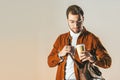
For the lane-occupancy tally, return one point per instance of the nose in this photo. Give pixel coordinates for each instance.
(76, 24)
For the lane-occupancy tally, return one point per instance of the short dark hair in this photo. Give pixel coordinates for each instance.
(75, 10)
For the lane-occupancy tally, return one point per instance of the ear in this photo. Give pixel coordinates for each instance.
(83, 18)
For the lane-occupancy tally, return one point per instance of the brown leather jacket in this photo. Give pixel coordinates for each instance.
(91, 43)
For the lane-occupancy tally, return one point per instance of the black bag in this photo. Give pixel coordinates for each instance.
(90, 72)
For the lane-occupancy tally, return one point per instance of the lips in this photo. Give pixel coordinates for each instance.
(76, 28)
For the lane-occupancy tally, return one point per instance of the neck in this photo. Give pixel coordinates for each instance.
(74, 34)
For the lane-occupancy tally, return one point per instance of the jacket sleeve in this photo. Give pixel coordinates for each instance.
(53, 58)
(103, 58)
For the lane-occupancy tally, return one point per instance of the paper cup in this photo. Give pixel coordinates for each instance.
(80, 48)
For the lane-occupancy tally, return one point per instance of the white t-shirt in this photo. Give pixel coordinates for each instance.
(70, 74)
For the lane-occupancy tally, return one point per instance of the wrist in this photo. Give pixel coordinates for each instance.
(60, 57)
(93, 62)
(94, 59)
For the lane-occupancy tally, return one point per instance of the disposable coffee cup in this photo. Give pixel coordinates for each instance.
(80, 48)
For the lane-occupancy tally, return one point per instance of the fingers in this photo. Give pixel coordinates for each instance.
(86, 59)
(85, 56)
(67, 49)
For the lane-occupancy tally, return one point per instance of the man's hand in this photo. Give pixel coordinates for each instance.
(86, 56)
(66, 50)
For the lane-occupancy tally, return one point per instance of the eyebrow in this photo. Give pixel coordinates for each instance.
(73, 20)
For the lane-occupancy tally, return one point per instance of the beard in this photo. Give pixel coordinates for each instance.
(76, 30)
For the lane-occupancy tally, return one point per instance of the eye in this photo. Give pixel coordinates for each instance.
(79, 21)
(72, 21)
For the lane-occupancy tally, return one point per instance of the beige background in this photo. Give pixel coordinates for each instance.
(28, 29)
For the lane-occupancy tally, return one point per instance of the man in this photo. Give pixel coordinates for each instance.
(65, 46)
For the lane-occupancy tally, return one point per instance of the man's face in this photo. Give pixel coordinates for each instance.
(75, 22)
